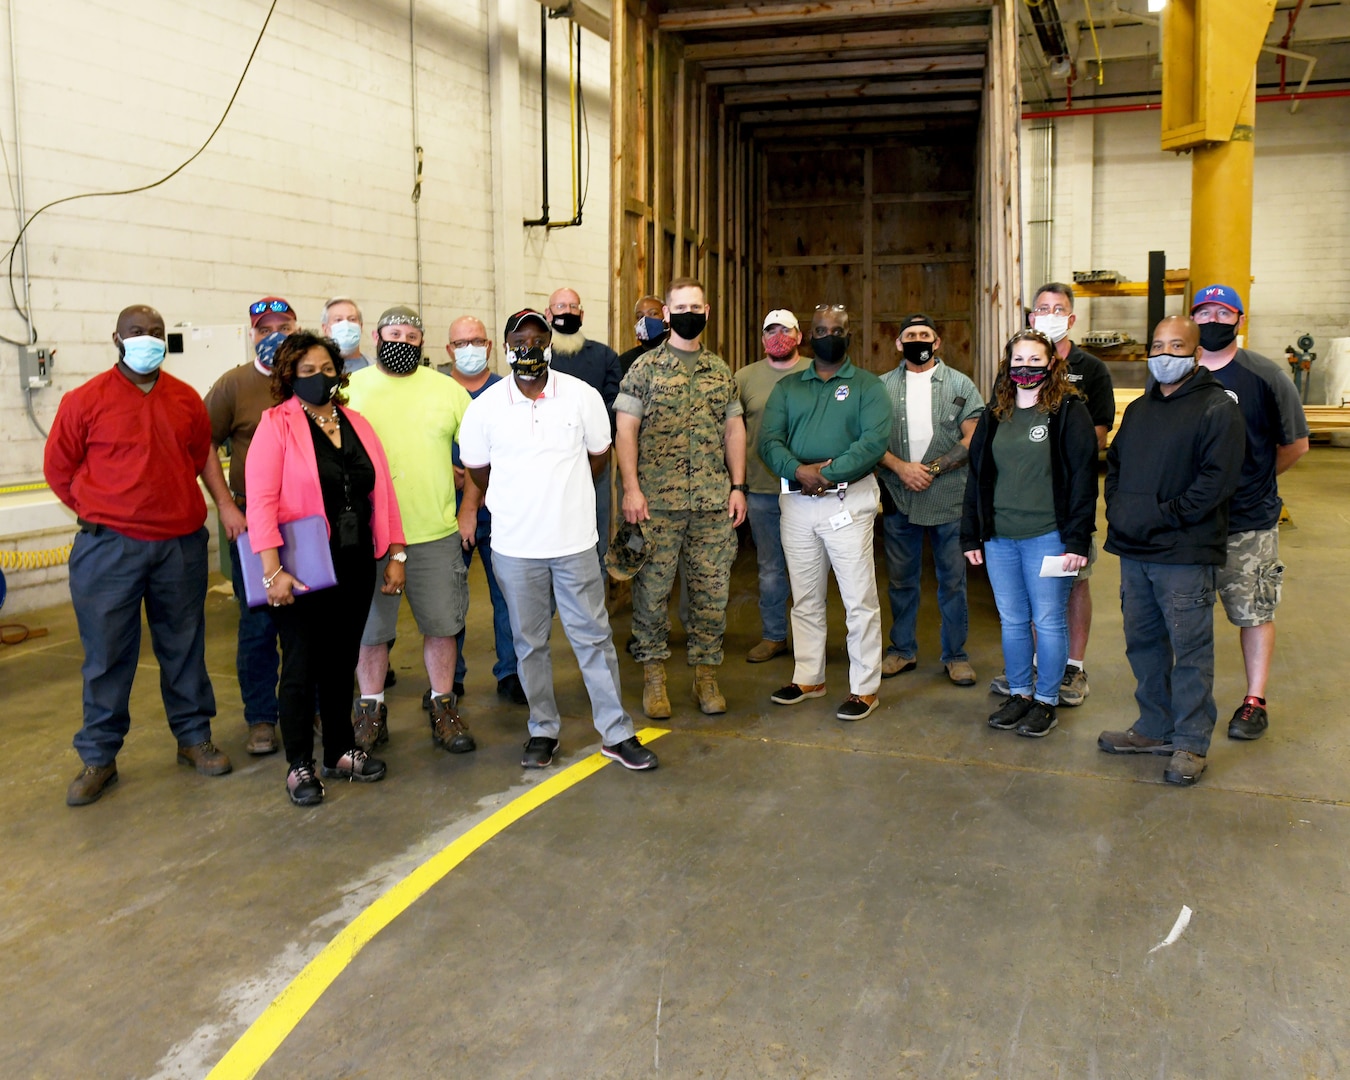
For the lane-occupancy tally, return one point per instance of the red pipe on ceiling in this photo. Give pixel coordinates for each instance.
(1151, 106)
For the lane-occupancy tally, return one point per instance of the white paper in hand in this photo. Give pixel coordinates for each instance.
(1053, 566)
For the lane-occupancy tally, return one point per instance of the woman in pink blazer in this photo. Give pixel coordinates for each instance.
(311, 457)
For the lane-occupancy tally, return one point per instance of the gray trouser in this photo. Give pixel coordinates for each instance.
(529, 586)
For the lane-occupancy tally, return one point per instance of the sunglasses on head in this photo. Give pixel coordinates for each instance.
(268, 305)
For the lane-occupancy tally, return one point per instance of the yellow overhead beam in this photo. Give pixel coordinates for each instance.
(1210, 49)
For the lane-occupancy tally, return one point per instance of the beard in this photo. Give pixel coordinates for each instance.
(568, 344)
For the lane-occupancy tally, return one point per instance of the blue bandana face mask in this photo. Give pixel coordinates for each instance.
(650, 330)
(266, 349)
(143, 354)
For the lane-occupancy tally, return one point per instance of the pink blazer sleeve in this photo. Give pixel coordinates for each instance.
(386, 523)
(262, 473)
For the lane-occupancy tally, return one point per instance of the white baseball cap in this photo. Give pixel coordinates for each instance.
(781, 317)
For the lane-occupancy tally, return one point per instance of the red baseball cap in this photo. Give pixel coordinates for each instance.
(268, 305)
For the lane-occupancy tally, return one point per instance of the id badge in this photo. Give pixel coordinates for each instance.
(841, 520)
(348, 529)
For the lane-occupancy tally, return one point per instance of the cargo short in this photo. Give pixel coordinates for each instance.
(437, 587)
(1249, 582)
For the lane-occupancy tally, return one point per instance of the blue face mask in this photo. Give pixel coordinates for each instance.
(650, 329)
(143, 354)
(471, 360)
(347, 334)
(266, 349)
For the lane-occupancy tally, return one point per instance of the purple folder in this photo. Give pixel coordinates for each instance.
(304, 555)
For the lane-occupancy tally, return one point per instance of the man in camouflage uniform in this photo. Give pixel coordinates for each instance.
(681, 448)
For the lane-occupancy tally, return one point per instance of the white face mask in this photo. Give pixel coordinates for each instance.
(347, 334)
(1055, 327)
(471, 359)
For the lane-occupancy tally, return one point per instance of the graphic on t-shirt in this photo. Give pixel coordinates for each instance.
(841, 393)
(1039, 433)
(1233, 394)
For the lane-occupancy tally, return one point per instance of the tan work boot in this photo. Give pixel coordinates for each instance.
(207, 758)
(766, 650)
(655, 700)
(262, 739)
(710, 699)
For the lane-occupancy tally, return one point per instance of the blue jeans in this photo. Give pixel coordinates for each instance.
(501, 619)
(111, 576)
(1025, 599)
(1169, 641)
(904, 565)
(765, 522)
(530, 586)
(256, 659)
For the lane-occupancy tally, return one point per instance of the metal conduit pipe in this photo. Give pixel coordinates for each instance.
(1152, 106)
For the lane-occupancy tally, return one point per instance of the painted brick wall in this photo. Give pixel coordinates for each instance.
(306, 191)
(1301, 224)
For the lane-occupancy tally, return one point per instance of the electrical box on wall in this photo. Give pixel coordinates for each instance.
(201, 354)
(35, 366)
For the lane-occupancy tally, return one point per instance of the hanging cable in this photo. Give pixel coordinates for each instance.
(143, 187)
(1092, 27)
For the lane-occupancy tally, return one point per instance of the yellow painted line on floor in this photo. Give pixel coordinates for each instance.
(288, 1008)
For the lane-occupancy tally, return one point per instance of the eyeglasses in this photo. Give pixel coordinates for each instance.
(562, 308)
(1058, 309)
(464, 343)
(268, 305)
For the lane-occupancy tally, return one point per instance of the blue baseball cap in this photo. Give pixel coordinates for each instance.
(1218, 294)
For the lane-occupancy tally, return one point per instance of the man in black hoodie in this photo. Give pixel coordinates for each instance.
(1171, 470)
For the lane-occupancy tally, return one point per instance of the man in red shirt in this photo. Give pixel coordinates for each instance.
(124, 453)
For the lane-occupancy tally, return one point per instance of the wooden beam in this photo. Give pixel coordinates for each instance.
(724, 53)
(720, 17)
(850, 112)
(848, 69)
(585, 13)
(847, 89)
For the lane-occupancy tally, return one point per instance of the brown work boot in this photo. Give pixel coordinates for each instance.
(447, 729)
(207, 758)
(370, 724)
(766, 650)
(1131, 742)
(961, 673)
(710, 699)
(90, 785)
(655, 700)
(262, 739)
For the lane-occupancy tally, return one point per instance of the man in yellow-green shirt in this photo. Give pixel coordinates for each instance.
(416, 413)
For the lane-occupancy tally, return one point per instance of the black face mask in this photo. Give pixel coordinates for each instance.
(399, 357)
(688, 324)
(568, 323)
(316, 389)
(917, 353)
(830, 349)
(1217, 336)
(529, 363)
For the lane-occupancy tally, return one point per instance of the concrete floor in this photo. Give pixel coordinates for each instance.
(788, 896)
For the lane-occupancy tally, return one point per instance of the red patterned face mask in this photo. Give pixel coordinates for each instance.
(779, 346)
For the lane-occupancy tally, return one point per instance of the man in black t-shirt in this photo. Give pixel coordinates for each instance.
(1277, 436)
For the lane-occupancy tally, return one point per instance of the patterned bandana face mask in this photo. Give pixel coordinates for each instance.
(529, 364)
(266, 349)
(399, 357)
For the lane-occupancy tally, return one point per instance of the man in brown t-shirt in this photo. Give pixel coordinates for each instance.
(235, 404)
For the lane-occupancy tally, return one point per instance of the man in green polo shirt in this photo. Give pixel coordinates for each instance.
(824, 432)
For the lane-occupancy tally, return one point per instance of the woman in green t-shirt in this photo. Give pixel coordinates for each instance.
(1031, 506)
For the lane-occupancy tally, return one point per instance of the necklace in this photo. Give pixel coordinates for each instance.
(322, 420)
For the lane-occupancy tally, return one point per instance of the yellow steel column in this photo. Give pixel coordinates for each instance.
(1221, 204)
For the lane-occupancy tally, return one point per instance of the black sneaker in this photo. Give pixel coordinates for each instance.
(1038, 721)
(355, 765)
(304, 788)
(539, 752)
(1011, 712)
(792, 693)
(631, 754)
(390, 678)
(857, 707)
(510, 687)
(1249, 722)
(426, 700)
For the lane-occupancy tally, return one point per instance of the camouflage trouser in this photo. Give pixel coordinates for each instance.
(1249, 583)
(708, 544)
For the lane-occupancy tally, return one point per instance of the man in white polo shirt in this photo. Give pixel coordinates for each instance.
(534, 443)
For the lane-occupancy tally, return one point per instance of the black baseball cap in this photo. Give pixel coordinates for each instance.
(513, 322)
(917, 319)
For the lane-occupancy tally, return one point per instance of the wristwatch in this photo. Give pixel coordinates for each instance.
(399, 556)
(934, 468)
(744, 489)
